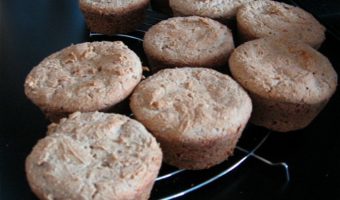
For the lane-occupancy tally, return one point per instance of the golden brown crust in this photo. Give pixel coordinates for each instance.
(84, 77)
(117, 7)
(264, 18)
(94, 156)
(283, 116)
(190, 109)
(111, 17)
(288, 81)
(221, 10)
(284, 70)
(188, 41)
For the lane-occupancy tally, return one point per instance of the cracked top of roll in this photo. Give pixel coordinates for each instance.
(188, 40)
(284, 70)
(84, 77)
(270, 18)
(93, 156)
(217, 9)
(112, 6)
(190, 104)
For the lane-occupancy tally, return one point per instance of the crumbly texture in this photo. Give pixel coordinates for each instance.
(196, 114)
(84, 77)
(289, 81)
(222, 10)
(269, 18)
(110, 6)
(94, 156)
(113, 16)
(188, 41)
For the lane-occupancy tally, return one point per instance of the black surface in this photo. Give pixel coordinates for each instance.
(31, 30)
(327, 11)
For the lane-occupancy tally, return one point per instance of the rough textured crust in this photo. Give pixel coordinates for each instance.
(289, 81)
(221, 10)
(84, 77)
(94, 156)
(188, 41)
(196, 114)
(269, 18)
(111, 17)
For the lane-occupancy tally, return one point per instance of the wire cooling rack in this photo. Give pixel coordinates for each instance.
(191, 180)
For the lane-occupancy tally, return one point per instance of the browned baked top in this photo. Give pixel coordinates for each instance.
(217, 9)
(270, 18)
(190, 104)
(188, 39)
(93, 156)
(285, 70)
(111, 6)
(84, 77)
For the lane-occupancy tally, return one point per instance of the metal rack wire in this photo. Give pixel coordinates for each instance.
(244, 154)
(247, 154)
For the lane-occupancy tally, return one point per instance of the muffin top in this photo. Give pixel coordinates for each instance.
(190, 104)
(111, 6)
(269, 18)
(285, 70)
(188, 39)
(217, 9)
(93, 156)
(84, 77)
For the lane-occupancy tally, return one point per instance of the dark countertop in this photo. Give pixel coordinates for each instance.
(31, 30)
